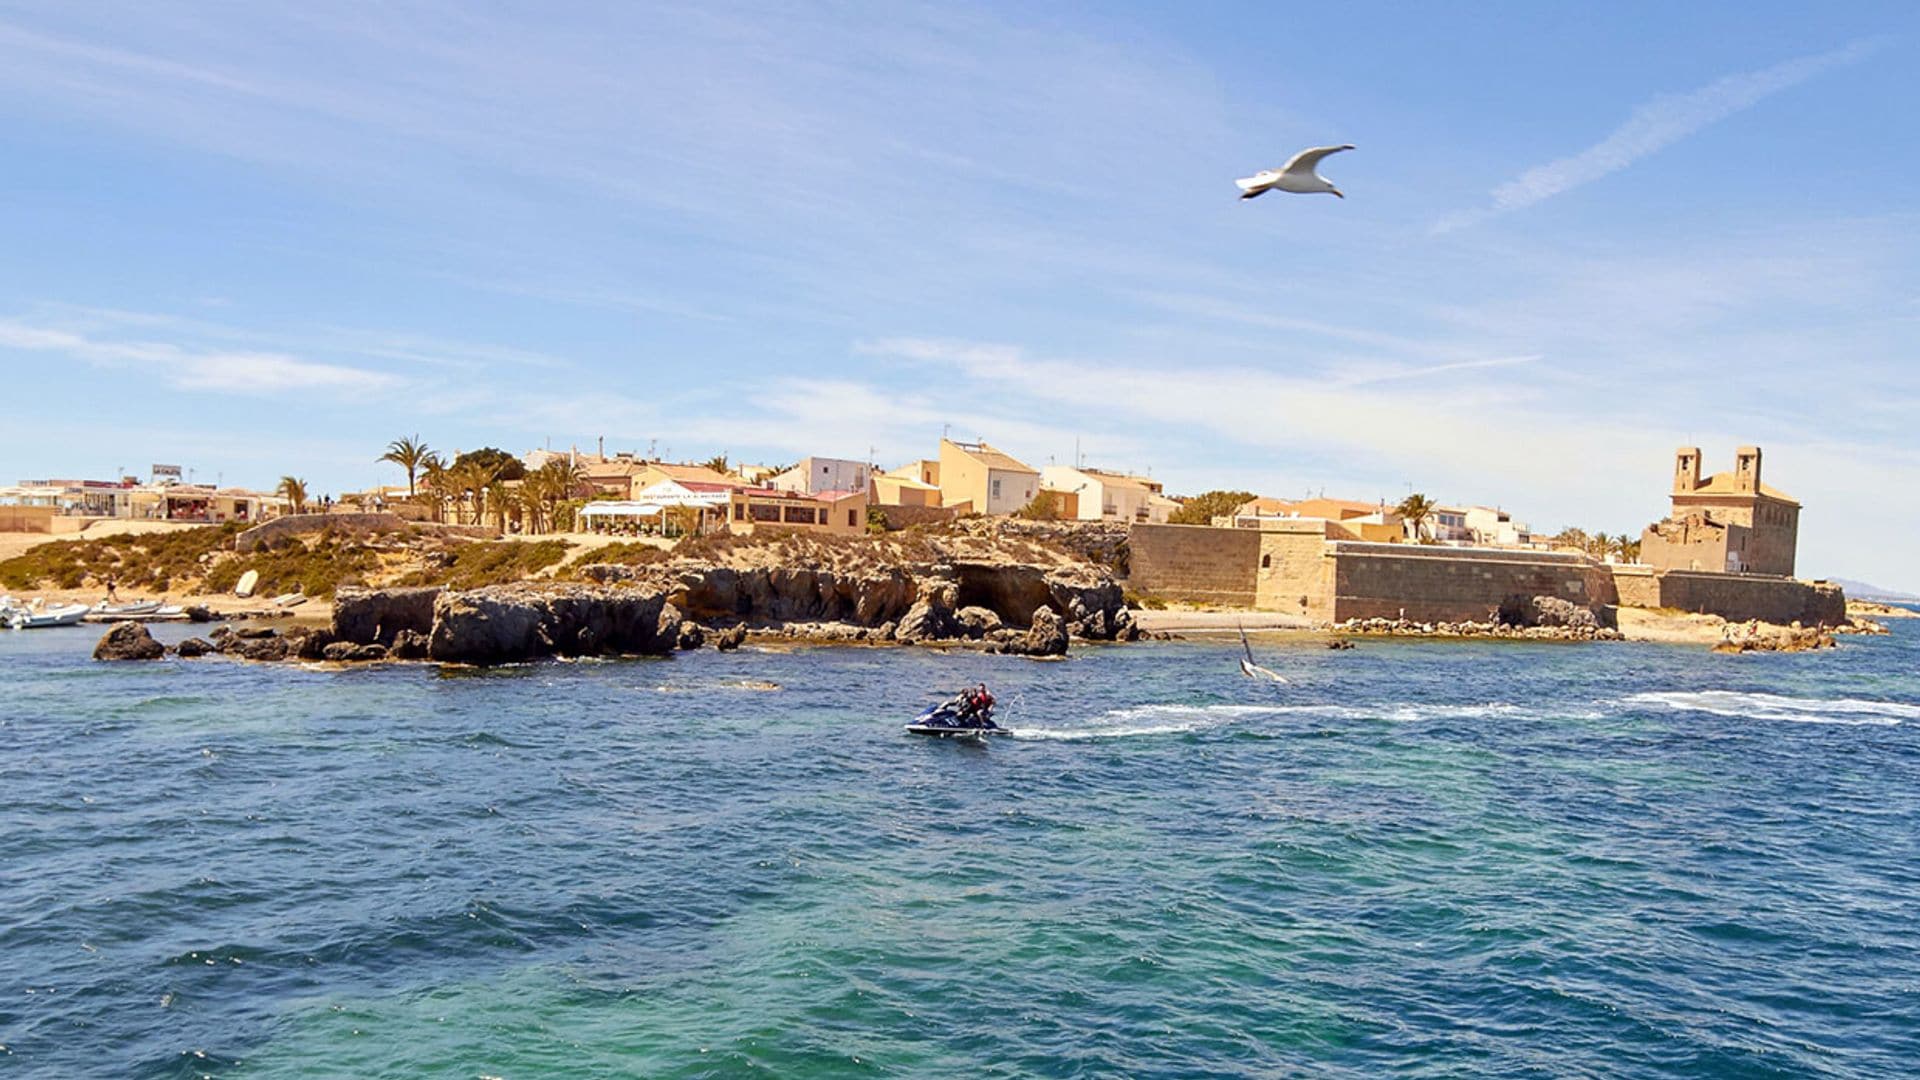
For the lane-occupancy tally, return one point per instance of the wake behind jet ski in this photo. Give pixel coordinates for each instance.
(966, 715)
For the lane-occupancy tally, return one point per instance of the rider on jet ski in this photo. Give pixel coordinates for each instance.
(975, 705)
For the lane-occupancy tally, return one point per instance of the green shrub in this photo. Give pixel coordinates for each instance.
(148, 560)
(1202, 509)
(633, 553)
(495, 562)
(316, 570)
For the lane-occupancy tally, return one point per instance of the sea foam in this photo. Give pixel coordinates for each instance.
(1754, 706)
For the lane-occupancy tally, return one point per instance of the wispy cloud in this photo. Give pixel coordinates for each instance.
(1653, 126)
(1441, 369)
(218, 370)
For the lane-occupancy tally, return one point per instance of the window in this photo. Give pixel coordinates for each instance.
(769, 512)
(739, 511)
(996, 487)
(851, 523)
(799, 515)
(1266, 562)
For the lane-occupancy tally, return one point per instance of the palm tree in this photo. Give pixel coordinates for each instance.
(718, 463)
(1571, 537)
(533, 500)
(1628, 547)
(499, 496)
(1415, 509)
(294, 490)
(438, 482)
(557, 480)
(409, 454)
(471, 479)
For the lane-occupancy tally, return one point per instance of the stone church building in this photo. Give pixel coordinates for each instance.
(1730, 521)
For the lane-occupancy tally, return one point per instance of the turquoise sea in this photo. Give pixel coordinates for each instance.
(1416, 859)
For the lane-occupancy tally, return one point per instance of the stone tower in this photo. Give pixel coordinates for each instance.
(1729, 521)
(1746, 469)
(1686, 469)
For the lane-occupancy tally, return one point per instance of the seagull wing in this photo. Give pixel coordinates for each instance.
(1304, 162)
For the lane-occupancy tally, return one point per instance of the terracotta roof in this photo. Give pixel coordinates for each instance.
(601, 470)
(1119, 480)
(1724, 484)
(684, 473)
(992, 458)
(1265, 507)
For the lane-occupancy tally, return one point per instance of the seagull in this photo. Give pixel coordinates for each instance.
(1296, 175)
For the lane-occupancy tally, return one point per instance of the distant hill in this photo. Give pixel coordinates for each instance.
(1860, 590)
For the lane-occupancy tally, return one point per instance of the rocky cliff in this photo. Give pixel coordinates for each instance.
(1013, 608)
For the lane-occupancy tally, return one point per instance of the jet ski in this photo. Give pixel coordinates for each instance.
(955, 719)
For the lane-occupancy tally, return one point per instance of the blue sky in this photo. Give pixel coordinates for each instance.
(261, 238)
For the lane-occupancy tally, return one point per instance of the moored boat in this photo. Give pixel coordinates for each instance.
(131, 609)
(36, 617)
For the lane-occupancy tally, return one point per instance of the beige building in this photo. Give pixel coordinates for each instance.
(624, 476)
(895, 489)
(1098, 495)
(1728, 522)
(203, 503)
(1345, 519)
(977, 478)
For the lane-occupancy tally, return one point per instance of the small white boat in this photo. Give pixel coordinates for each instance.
(35, 617)
(132, 609)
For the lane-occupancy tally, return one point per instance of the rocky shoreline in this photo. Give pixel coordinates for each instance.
(1002, 607)
(1012, 609)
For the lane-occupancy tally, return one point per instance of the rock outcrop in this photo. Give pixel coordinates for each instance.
(191, 648)
(408, 645)
(1549, 611)
(257, 643)
(1046, 637)
(1766, 637)
(379, 616)
(978, 622)
(932, 617)
(506, 623)
(128, 641)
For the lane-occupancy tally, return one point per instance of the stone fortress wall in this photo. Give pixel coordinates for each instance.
(1297, 571)
(1196, 564)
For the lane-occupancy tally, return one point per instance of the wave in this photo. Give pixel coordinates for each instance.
(1183, 719)
(1140, 720)
(1754, 706)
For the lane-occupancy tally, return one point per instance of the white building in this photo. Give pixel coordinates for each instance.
(1491, 526)
(1447, 524)
(815, 475)
(1099, 495)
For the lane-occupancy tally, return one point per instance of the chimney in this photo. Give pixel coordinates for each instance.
(1686, 470)
(1746, 469)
